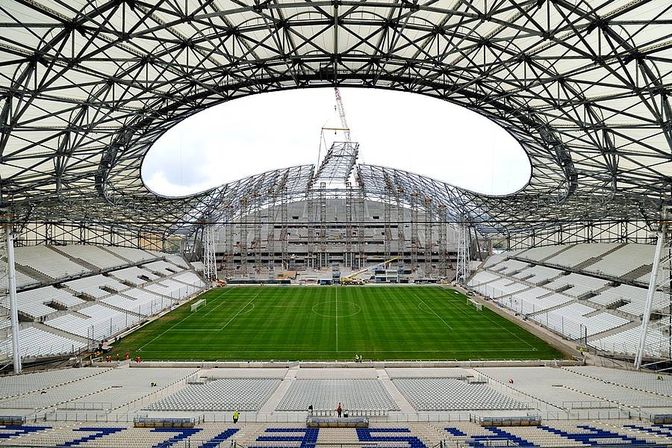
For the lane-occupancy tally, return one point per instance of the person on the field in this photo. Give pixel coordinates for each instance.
(339, 410)
(236, 416)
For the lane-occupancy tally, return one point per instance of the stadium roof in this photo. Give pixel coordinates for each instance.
(86, 87)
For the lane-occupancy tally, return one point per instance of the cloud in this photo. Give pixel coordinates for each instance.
(275, 130)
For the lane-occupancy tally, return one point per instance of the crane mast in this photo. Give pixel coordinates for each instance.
(341, 114)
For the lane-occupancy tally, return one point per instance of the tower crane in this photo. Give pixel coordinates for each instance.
(341, 114)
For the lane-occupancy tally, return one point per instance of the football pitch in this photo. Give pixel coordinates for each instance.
(333, 323)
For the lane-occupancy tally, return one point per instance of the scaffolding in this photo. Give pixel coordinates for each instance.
(322, 254)
(347, 253)
(257, 244)
(429, 237)
(443, 243)
(284, 229)
(415, 238)
(209, 249)
(463, 253)
(243, 248)
(270, 231)
(387, 222)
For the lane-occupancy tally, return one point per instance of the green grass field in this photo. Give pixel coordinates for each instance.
(333, 323)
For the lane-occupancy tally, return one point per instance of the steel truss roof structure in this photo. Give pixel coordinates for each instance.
(86, 87)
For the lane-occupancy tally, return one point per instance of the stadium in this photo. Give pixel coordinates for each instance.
(335, 303)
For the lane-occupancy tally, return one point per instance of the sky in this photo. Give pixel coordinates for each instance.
(275, 130)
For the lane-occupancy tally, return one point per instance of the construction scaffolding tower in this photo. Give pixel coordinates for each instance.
(209, 248)
(244, 216)
(429, 237)
(229, 232)
(443, 243)
(256, 242)
(361, 228)
(322, 255)
(463, 253)
(401, 219)
(655, 337)
(387, 222)
(284, 229)
(270, 231)
(347, 253)
(415, 238)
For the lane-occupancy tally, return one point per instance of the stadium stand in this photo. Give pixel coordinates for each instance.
(538, 274)
(323, 394)
(94, 322)
(604, 293)
(134, 275)
(47, 262)
(93, 255)
(539, 253)
(36, 343)
(149, 305)
(93, 286)
(243, 394)
(33, 303)
(414, 435)
(435, 394)
(130, 254)
(577, 255)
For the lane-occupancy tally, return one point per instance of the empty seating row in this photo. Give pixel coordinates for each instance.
(92, 286)
(35, 343)
(361, 394)
(572, 322)
(33, 303)
(48, 262)
(452, 394)
(94, 322)
(576, 285)
(537, 274)
(242, 394)
(134, 275)
(94, 255)
(162, 267)
(149, 305)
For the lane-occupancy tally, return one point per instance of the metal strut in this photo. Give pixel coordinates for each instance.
(659, 290)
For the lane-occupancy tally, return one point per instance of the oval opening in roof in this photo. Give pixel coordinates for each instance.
(400, 130)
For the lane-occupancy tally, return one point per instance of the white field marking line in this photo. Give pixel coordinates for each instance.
(337, 318)
(432, 310)
(177, 323)
(534, 349)
(220, 304)
(240, 311)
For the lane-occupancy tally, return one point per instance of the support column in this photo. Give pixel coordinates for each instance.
(659, 286)
(13, 306)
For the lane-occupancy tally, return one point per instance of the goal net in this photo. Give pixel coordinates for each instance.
(195, 306)
(475, 304)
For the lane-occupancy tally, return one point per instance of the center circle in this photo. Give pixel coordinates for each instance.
(327, 308)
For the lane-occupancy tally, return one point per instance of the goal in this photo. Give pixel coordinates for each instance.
(475, 304)
(200, 303)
